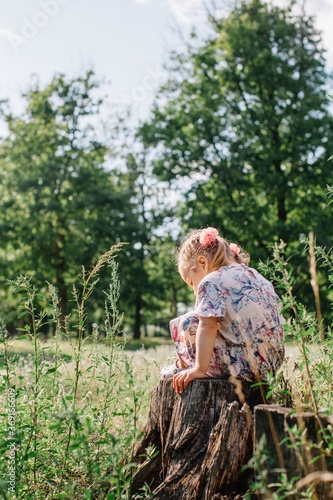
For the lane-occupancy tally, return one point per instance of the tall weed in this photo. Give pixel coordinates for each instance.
(304, 384)
(69, 421)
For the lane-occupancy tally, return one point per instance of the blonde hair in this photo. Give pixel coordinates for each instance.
(217, 251)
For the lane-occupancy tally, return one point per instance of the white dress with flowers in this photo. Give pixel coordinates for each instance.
(249, 339)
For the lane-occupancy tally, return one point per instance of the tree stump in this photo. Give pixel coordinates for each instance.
(202, 438)
(296, 453)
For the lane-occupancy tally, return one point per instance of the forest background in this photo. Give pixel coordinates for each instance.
(238, 137)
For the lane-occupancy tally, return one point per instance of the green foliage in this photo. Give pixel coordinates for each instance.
(304, 384)
(62, 198)
(73, 420)
(242, 126)
(171, 293)
(310, 371)
(143, 278)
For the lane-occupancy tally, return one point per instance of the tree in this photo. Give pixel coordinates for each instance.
(244, 121)
(171, 295)
(62, 200)
(146, 292)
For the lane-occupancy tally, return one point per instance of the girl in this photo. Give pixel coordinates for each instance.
(236, 329)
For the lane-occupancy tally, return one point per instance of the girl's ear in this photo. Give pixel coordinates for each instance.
(202, 261)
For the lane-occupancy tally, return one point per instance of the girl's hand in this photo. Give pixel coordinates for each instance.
(205, 341)
(181, 380)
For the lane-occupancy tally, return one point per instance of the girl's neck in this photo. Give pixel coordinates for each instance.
(229, 262)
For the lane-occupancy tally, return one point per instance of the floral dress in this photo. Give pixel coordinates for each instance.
(249, 338)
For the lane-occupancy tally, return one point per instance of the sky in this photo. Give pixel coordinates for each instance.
(127, 42)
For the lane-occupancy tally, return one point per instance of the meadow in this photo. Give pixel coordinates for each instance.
(73, 406)
(75, 435)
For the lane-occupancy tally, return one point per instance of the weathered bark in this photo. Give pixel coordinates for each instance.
(296, 453)
(202, 439)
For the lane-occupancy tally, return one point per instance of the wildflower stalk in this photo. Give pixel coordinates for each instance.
(87, 288)
(34, 328)
(62, 429)
(315, 286)
(89, 282)
(300, 321)
(58, 328)
(113, 325)
(301, 325)
(4, 338)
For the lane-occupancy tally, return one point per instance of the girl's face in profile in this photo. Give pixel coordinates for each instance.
(193, 278)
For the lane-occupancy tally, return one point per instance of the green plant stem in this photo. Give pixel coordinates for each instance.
(87, 289)
(6, 356)
(36, 387)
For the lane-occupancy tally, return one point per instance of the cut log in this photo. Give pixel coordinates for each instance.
(202, 439)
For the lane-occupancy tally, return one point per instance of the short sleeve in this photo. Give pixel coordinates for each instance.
(210, 301)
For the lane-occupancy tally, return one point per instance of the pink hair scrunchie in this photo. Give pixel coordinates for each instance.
(234, 248)
(208, 236)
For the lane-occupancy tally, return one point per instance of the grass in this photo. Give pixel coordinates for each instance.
(109, 416)
(72, 410)
(304, 384)
(24, 347)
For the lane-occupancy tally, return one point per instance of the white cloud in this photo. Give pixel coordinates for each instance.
(144, 2)
(5, 33)
(185, 11)
(323, 10)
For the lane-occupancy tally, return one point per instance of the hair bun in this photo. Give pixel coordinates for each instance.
(208, 236)
(234, 248)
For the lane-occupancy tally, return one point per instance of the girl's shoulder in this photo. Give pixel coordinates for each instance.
(233, 269)
(237, 273)
(225, 274)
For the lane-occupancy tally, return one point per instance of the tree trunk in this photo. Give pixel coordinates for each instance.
(137, 319)
(202, 438)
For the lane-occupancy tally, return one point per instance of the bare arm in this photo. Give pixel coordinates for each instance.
(205, 341)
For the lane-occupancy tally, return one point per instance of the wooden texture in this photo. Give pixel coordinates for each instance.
(294, 443)
(202, 439)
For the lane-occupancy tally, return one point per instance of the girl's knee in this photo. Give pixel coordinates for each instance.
(189, 322)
